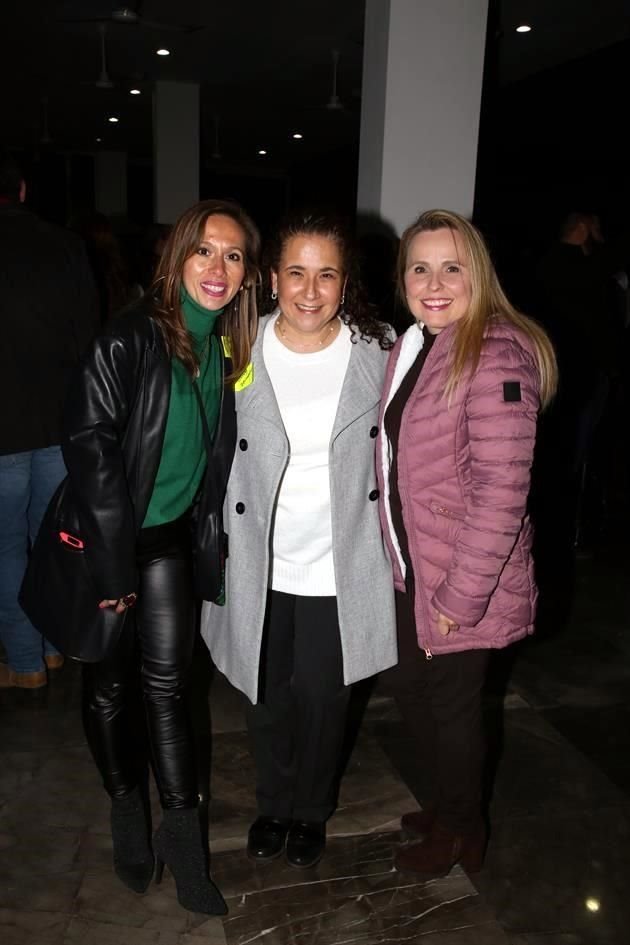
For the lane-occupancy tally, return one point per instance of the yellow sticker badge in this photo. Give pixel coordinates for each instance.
(247, 377)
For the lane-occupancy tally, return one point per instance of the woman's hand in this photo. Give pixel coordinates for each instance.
(121, 604)
(445, 624)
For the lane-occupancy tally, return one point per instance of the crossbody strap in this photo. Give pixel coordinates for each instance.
(207, 439)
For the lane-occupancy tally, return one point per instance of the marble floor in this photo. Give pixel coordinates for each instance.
(557, 870)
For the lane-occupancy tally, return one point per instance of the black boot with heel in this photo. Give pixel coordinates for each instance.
(131, 832)
(178, 845)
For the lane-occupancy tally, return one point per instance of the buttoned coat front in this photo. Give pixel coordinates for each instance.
(233, 632)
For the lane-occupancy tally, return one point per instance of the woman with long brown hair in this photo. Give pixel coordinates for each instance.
(149, 432)
(462, 396)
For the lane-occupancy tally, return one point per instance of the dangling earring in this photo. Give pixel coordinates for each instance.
(341, 312)
(274, 295)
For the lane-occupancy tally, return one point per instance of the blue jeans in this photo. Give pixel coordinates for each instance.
(27, 483)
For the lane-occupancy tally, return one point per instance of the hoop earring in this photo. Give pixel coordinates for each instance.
(274, 295)
(342, 300)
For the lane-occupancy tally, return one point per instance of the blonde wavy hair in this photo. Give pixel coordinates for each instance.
(488, 302)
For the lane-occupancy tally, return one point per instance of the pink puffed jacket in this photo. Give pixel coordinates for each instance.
(463, 475)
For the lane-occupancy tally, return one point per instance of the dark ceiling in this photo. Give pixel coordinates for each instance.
(265, 69)
(562, 30)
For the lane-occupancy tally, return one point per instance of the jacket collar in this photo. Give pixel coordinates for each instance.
(359, 393)
(259, 396)
(408, 347)
(361, 389)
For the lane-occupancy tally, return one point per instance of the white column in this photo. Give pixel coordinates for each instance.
(422, 76)
(175, 148)
(110, 183)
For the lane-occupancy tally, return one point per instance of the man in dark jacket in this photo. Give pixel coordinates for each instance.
(48, 314)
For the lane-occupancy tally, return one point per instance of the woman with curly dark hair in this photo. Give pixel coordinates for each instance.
(308, 604)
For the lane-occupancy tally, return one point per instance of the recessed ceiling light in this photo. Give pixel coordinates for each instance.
(524, 28)
(113, 119)
(135, 92)
(262, 151)
(98, 140)
(163, 52)
(297, 135)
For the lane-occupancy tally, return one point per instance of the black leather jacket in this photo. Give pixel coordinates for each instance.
(113, 432)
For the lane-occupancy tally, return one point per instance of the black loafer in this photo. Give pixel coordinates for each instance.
(266, 838)
(306, 843)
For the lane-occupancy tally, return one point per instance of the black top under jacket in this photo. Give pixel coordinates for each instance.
(393, 420)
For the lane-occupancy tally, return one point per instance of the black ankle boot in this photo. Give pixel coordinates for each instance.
(177, 843)
(131, 830)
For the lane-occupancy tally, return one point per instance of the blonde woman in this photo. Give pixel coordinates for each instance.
(463, 392)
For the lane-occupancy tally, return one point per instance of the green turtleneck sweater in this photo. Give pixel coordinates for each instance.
(184, 457)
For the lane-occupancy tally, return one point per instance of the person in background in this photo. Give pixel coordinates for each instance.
(574, 284)
(151, 249)
(49, 313)
(135, 447)
(577, 299)
(111, 273)
(463, 391)
(309, 605)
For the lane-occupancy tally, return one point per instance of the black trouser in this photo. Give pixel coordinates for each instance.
(163, 635)
(440, 701)
(297, 727)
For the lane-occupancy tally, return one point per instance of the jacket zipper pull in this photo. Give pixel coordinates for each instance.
(428, 653)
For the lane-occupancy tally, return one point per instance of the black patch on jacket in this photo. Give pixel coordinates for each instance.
(511, 391)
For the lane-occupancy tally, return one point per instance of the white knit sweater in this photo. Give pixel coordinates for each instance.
(307, 388)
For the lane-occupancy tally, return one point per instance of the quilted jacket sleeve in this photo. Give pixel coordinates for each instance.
(501, 413)
(95, 419)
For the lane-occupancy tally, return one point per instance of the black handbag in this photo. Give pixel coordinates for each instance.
(58, 594)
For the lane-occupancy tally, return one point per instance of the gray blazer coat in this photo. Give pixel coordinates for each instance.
(365, 598)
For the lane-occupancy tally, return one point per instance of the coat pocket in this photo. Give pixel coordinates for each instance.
(447, 513)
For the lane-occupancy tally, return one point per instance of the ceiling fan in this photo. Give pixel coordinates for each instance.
(105, 78)
(104, 81)
(334, 103)
(131, 14)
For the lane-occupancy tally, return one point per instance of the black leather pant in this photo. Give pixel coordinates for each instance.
(157, 645)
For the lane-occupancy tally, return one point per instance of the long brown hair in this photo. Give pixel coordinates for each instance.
(239, 319)
(488, 302)
(355, 311)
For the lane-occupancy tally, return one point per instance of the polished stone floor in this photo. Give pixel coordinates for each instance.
(557, 870)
